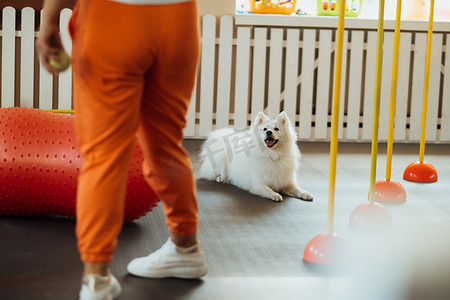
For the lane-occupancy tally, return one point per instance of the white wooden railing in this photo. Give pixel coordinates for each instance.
(246, 68)
(23, 81)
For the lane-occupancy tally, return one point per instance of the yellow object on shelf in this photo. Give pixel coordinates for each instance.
(284, 7)
(330, 8)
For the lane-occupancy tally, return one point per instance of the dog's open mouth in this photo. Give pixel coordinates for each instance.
(270, 142)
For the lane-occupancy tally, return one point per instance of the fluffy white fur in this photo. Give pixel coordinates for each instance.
(263, 159)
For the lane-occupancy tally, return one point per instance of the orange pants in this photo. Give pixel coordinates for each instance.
(134, 71)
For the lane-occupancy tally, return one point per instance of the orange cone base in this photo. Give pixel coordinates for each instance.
(420, 172)
(389, 191)
(371, 217)
(326, 249)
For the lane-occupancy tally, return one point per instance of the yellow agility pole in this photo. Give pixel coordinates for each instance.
(388, 190)
(335, 117)
(376, 102)
(60, 111)
(393, 90)
(427, 83)
(372, 217)
(420, 170)
(329, 248)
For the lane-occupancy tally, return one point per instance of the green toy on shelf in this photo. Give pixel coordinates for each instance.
(330, 8)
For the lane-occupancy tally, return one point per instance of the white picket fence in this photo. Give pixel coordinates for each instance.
(23, 81)
(247, 69)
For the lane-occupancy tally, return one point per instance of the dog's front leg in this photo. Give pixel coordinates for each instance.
(267, 192)
(223, 172)
(294, 191)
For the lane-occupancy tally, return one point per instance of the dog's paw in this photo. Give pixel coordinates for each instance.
(219, 179)
(277, 197)
(306, 196)
(297, 192)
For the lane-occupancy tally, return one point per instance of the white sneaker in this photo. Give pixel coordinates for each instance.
(170, 261)
(96, 287)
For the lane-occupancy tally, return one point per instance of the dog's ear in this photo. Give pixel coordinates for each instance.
(261, 117)
(283, 118)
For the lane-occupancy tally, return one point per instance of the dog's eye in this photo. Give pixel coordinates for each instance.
(265, 129)
(276, 129)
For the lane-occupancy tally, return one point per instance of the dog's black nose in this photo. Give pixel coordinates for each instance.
(269, 133)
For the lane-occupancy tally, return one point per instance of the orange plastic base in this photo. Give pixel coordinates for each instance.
(420, 172)
(389, 191)
(326, 249)
(373, 217)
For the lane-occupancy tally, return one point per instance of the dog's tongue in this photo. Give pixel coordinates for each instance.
(270, 142)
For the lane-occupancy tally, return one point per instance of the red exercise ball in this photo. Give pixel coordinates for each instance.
(40, 162)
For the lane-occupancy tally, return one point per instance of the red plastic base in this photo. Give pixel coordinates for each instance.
(40, 163)
(371, 217)
(326, 249)
(420, 172)
(389, 191)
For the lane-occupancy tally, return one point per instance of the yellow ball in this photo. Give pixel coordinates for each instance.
(61, 65)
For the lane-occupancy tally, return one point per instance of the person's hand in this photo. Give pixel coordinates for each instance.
(49, 45)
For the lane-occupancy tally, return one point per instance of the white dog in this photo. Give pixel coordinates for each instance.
(263, 159)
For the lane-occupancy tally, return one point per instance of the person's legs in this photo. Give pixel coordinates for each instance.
(167, 167)
(109, 65)
(168, 91)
